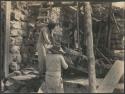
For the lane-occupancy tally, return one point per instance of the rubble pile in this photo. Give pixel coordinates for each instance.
(25, 80)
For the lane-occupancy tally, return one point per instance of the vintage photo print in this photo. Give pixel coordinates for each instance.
(59, 46)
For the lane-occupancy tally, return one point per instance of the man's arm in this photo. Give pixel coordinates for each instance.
(45, 34)
(63, 63)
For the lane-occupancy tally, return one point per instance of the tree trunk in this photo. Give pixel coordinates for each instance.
(89, 45)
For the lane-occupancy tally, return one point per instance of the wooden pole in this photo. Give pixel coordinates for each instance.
(71, 3)
(7, 36)
(109, 26)
(2, 15)
(78, 25)
(89, 41)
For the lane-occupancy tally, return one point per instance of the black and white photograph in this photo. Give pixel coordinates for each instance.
(62, 46)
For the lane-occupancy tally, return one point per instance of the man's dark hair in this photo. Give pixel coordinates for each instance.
(51, 25)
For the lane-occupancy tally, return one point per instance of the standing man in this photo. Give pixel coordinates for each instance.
(42, 45)
(54, 62)
(57, 35)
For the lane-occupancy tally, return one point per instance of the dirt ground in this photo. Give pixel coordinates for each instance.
(77, 85)
(80, 85)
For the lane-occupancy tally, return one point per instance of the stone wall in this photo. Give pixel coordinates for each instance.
(18, 32)
(29, 52)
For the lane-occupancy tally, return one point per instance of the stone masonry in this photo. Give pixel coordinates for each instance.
(17, 33)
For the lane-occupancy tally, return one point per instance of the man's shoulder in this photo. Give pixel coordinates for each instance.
(56, 55)
(49, 54)
(60, 56)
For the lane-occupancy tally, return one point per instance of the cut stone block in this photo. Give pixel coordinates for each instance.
(18, 41)
(15, 49)
(12, 41)
(112, 78)
(14, 32)
(16, 24)
(20, 32)
(24, 77)
(17, 57)
(9, 82)
(14, 66)
(16, 14)
(23, 17)
(24, 25)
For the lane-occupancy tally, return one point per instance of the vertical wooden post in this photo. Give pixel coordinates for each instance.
(7, 37)
(1, 40)
(109, 26)
(78, 8)
(89, 41)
